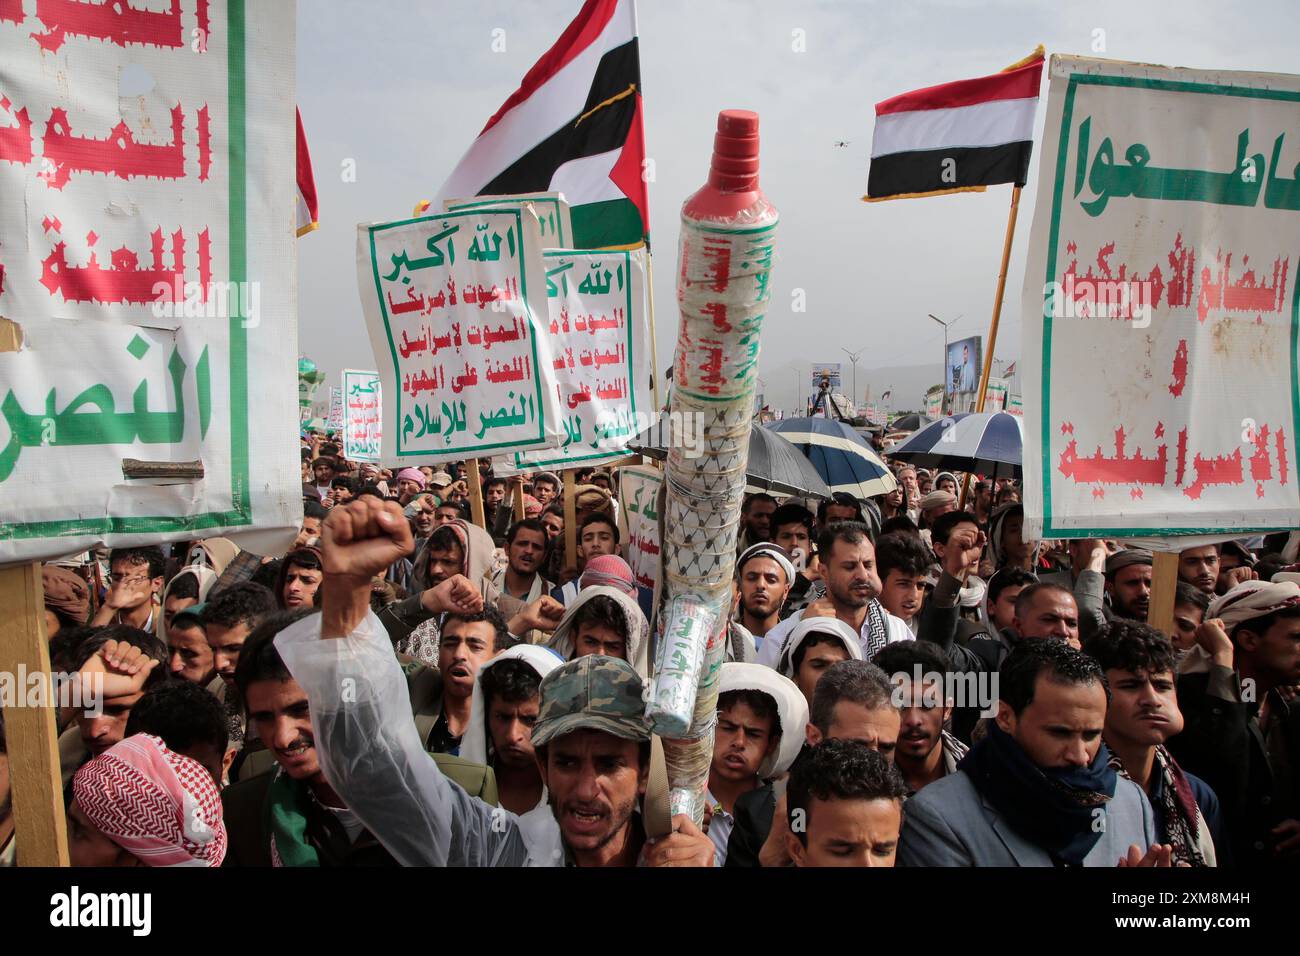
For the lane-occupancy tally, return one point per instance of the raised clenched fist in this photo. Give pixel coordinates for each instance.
(1214, 640)
(456, 595)
(965, 545)
(362, 538)
(1230, 578)
(541, 615)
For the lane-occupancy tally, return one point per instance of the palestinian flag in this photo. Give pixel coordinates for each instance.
(956, 137)
(573, 126)
(307, 219)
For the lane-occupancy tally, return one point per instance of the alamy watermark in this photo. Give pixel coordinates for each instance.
(929, 689)
(614, 428)
(214, 300)
(1083, 298)
(23, 688)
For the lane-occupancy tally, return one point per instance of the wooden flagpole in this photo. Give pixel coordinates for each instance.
(517, 483)
(474, 479)
(31, 734)
(997, 299)
(570, 521)
(39, 823)
(997, 315)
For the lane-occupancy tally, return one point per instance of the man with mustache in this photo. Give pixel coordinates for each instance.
(1106, 586)
(848, 563)
(925, 751)
(755, 519)
(590, 738)
(290, 816)
(503, 714)
(520, 581)
(546, 487)
(1038, 790)
(1243, 730)
(468, 641)
(1141, 716)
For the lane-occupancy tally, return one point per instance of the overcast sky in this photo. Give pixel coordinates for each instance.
(401, 87)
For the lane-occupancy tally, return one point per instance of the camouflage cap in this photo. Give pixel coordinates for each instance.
(591, 693)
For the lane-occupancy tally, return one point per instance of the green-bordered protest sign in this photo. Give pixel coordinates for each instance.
(455, 304)
(147, 242)
(599, 334)
(1161, 315)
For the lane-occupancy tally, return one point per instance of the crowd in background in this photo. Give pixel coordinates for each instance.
(909, 679)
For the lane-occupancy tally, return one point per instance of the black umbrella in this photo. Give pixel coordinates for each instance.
(910, 423)
(775, 465)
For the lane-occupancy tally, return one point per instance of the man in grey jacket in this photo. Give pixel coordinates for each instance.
(1039, 789)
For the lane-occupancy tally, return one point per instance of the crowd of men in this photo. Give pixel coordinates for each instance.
(907, 681)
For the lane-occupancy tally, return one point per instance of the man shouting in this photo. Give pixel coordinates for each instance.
(591, 742)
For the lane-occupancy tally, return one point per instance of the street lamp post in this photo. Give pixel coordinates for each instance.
(853, 357)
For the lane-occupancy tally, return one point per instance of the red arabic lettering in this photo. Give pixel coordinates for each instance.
(16, 140)
(124, 281)
(117, 154)
(205, 143)
(1247, 294)
(1181, 471)
(1105, 293)
(114, 20)
(1261, 468)
(1179, 369)
(1220, 470)
(1116, 470)
(1182, 265)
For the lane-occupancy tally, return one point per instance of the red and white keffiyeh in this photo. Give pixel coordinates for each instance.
(160, 806)
(1252, 599)
(608, 570)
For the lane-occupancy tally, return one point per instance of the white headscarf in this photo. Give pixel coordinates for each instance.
(538, 826)
(474, 744)
(638, 630)
(791, 710)
(818, 625)
(200, 572)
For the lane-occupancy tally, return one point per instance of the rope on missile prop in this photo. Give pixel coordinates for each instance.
(700, 519)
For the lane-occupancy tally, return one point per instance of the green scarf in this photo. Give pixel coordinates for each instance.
(286, 819)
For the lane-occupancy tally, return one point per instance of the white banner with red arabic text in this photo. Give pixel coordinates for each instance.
(1160, 304)
(147, 254)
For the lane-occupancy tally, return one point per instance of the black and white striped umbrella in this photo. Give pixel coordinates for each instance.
(985, 443)
(844, 459)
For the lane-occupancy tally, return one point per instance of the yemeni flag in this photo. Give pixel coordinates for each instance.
(956, 137)
(307, 218)
(573, 126)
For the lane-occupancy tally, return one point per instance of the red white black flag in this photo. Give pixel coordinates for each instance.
(574, 126)
(956, 137)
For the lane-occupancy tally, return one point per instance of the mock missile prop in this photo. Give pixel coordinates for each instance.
(724, 266)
